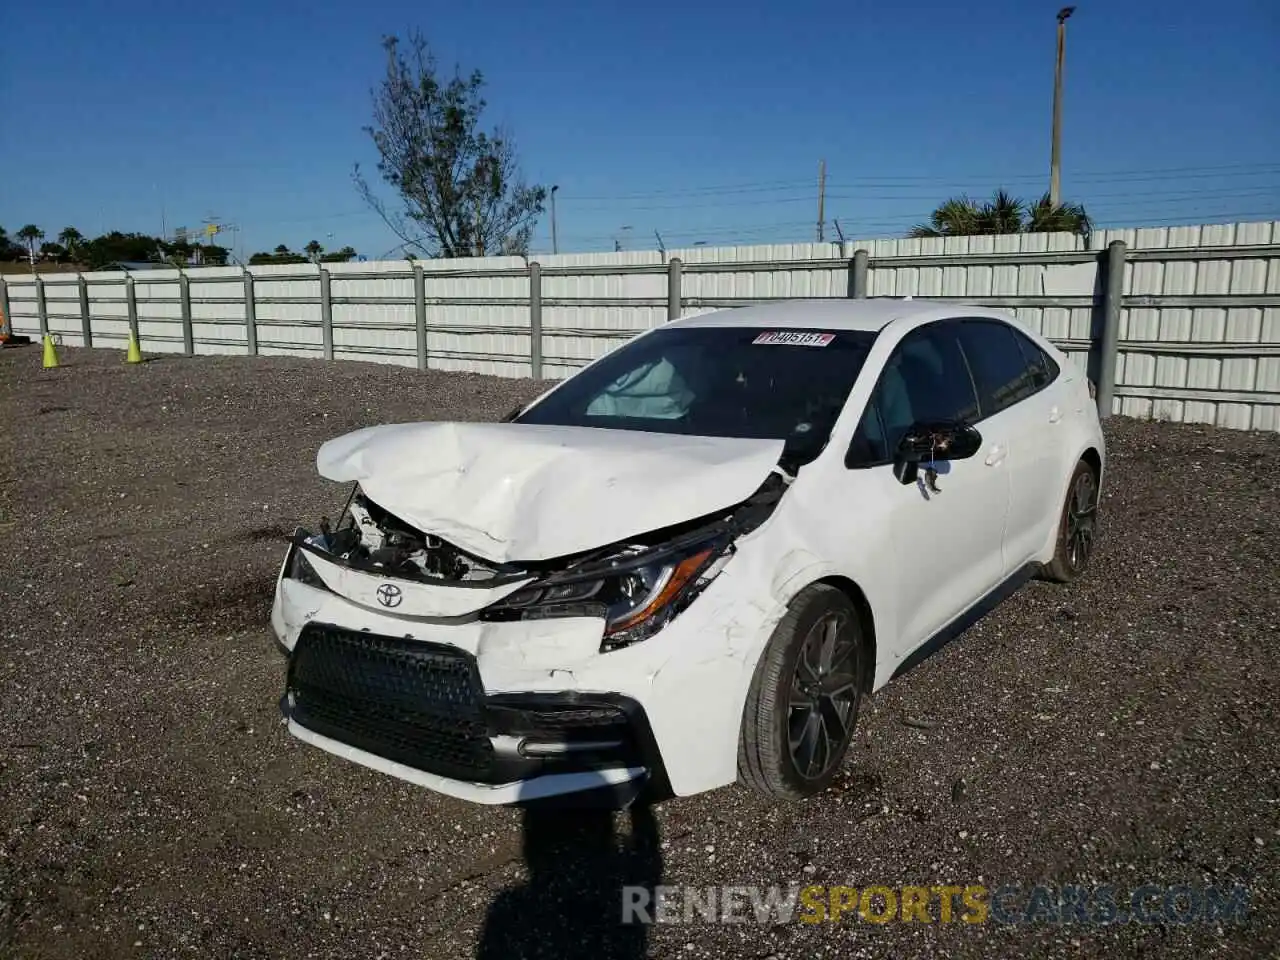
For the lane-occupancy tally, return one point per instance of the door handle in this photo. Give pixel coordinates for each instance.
(996, 455)
(1055, 415)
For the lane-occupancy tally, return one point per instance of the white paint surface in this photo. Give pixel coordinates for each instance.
(529, 492)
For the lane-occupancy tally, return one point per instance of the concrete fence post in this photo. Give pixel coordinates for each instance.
(858, 267)
(42, 308)
(184, 299)
(674, 299)
(250, 316)
(131, 302)
(1109, 351)
(326, 314)
(535, 320)
(7, 319)
(420, 313)
(86, 323)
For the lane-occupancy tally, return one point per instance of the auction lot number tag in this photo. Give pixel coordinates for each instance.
(794, 338)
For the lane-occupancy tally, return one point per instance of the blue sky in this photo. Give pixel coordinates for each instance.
(702, 120)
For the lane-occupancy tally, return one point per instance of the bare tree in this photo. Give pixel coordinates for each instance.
(460, 188)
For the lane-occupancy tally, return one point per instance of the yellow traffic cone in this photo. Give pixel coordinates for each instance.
(50, 353)
(134, 355)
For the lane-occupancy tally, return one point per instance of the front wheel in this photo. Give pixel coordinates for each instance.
(1077, 527)
(804, 698)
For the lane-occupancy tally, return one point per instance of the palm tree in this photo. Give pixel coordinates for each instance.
(71, 238)
(953, 218)
(31, 235)
(1044, 217)
(1002, 214)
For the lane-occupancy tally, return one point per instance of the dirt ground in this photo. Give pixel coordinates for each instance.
(1122, 731)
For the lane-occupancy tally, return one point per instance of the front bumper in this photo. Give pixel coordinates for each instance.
(421, 709)
(524, 711)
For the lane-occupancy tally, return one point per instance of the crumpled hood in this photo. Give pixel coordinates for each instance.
(506, 491)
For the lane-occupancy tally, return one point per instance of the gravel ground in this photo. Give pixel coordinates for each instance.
(1120, 731)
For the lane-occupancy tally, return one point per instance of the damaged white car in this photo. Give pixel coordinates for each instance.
(686, 564)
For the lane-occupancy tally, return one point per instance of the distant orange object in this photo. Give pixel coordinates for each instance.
(7, 337)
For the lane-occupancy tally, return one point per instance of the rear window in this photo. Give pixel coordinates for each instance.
(748, 382)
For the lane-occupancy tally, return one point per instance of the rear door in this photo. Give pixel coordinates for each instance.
(947, 546)
(1020, 396)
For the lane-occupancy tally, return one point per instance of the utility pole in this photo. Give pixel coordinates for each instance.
(1055, 151)
(822, 194)
(555, 244)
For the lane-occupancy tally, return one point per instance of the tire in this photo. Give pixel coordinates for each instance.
(816, 698)
(1077, 527)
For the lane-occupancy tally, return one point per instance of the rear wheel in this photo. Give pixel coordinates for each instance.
(1077, 528)
(804, 698)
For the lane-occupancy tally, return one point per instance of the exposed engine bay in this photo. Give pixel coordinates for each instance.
(371, 537)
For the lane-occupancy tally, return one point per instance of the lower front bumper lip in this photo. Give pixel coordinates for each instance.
(622, 780)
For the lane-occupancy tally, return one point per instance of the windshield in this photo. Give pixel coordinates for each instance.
(719, 382)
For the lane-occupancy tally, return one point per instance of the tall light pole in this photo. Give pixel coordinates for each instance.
(555, 244)
(1055, 151)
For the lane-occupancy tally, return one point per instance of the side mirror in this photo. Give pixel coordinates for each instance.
(933, 441)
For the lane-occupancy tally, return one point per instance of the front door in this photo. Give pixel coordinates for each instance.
(946, 545)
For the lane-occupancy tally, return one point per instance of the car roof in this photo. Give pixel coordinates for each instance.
(832, 313)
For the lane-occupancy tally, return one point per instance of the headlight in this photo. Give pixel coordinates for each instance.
(300, 567)
(636, 593)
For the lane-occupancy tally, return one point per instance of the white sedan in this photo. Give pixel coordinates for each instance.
(685, 565)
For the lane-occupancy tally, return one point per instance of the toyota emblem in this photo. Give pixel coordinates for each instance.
(389, 595)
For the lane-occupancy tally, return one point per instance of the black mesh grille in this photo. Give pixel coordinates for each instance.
(416, 703)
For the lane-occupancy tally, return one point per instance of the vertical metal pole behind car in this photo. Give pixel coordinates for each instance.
(1109, 352)
(86, 324)
(674, 304)
(535, 320)
(858, 274)
(131, 303)
(250, 315)
(420, 313)
(184, 300)
(326, 315)
(42, 308)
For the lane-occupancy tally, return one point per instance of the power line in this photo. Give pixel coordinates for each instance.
(1081, 176)
(932, 196)
(859, 229)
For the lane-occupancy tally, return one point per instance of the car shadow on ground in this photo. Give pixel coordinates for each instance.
(579, 870)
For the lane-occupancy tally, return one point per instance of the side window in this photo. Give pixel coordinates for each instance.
(1044, 369)
(868, 446)
(1000, 369)
(925, 378)
(936, 376)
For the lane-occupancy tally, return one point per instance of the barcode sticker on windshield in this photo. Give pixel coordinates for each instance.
(795, 338)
